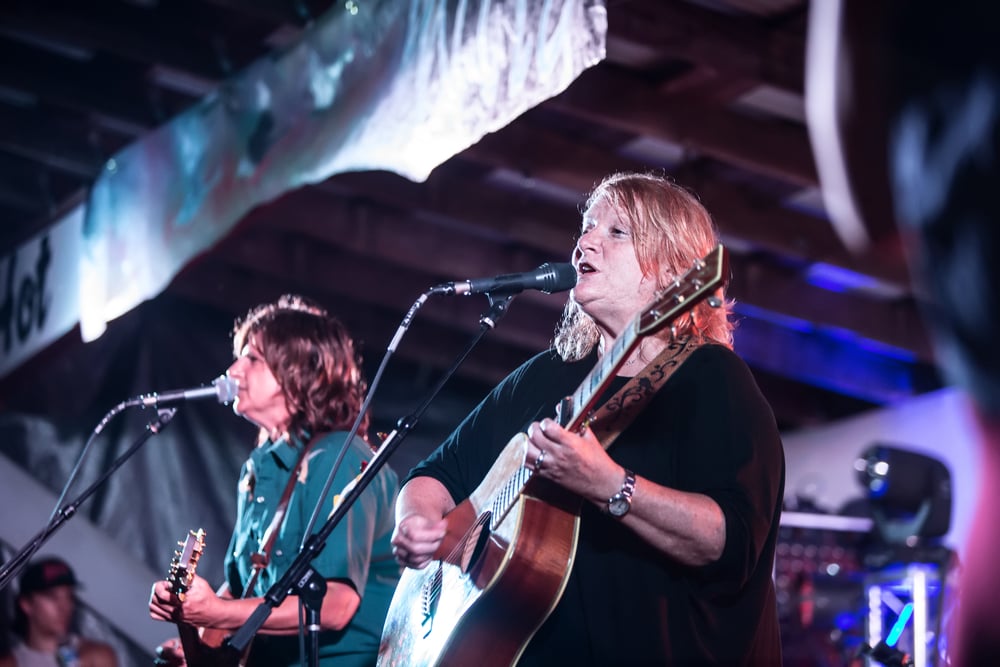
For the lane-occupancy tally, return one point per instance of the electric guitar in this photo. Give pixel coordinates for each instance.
(509, 549)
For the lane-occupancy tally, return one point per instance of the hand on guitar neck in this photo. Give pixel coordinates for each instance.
(193, 616)
(187, 600)
(198, 607)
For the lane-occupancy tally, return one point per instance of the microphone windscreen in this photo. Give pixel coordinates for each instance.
(226, 388)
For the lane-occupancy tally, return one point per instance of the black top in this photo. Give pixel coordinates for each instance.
(708, 430)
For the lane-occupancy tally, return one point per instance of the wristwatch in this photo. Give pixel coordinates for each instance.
(620, 503)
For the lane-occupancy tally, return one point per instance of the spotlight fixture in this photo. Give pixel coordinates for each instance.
(909, 493)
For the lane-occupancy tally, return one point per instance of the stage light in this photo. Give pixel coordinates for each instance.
(909, 493)
(909, 573)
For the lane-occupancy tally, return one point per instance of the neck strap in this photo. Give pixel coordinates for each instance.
(617, 413)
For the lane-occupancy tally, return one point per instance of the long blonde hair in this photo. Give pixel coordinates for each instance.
(671, 230)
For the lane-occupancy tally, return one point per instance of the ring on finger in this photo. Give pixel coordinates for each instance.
(539, 459)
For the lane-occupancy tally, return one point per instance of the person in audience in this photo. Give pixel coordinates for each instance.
(43, 621)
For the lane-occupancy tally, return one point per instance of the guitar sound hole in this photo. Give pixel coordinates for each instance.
(484, 538)
(476, 543)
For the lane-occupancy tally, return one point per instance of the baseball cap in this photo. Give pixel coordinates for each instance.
(46, 573)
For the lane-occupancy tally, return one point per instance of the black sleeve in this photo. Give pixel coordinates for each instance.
(734, 456)
(529, 393)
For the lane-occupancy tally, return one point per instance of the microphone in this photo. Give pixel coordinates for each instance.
(547, 278)
(223, 389)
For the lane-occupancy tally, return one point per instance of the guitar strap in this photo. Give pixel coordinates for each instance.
(262, 557)
(259, 561)
(617, 413)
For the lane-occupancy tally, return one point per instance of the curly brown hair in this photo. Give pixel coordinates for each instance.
(314, 360)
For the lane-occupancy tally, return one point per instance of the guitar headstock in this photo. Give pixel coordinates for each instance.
(185, 562)
(707, 275)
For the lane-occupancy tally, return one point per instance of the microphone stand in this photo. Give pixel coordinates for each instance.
(20, 560)
(301, 578)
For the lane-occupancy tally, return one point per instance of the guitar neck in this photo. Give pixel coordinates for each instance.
(575, 410)
(191, 642)
(512, 475)
(679, 297)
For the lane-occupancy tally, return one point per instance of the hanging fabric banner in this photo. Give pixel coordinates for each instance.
(379, 84)
(38, 291)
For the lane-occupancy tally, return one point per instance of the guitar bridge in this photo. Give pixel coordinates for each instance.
(429, 598)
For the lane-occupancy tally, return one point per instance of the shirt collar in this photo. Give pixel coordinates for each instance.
(285, 451)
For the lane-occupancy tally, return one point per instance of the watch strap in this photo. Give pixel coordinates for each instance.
(624, 493)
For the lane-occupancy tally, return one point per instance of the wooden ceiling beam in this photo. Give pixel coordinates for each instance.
(213, 46)
(744, 215)
(404, 242)
(761, 221)
(85, 88)
(621, 98)
(833, 362)
(453, 200)
(572, 164)
(427, 343)
(733, 46)
(51, 145)
(373, 279)
(896, 324)
(437, 252)
(299, 13)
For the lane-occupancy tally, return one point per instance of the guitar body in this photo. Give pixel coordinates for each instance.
(495, 581)
(203, 648)
(199, 653)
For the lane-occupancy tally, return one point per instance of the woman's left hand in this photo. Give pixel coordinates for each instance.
(196, 609)
(577, 462)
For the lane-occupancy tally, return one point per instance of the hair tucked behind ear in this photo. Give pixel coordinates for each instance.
(314, 360)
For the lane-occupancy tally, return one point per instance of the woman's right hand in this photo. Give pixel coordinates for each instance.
(170, 654)
(420, 524)
(416, 538)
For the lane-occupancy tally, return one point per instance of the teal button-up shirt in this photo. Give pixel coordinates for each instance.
(357, 552)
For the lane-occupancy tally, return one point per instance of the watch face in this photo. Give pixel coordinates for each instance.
(619, 505)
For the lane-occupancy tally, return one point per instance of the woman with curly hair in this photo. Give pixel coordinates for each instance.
(300, 381)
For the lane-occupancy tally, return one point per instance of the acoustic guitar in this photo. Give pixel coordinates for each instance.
(202, 646)
(509, 549)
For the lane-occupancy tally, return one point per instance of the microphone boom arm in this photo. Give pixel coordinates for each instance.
(20, 560)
